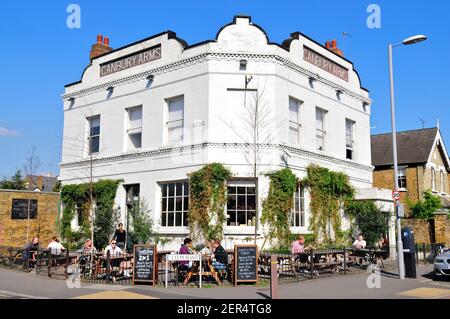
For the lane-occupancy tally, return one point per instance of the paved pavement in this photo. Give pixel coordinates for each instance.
(16, 284)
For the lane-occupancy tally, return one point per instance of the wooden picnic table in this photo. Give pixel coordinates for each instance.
(194, 270)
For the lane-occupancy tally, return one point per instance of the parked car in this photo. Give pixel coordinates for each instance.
(442, 265)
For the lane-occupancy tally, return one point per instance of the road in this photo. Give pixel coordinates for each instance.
(16, 284)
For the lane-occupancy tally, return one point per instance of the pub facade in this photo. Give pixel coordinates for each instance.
(154, 111)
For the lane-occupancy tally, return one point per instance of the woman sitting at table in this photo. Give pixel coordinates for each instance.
(298, 246)
(186, 249)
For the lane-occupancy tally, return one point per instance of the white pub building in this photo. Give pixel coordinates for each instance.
(158, 109)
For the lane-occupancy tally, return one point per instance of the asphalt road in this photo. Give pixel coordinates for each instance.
(16, 284)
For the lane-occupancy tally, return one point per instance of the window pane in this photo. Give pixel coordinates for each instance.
(251, 203)
(135, 116)
(241, 216)
(231, 202)
(186, 203)
(170, 221)
(232, 218)
(250, 217)
(179, 203)
(241, 202)
(176, 109)
(95, 144)
(164, 190)
(185, 219)
(171, 204)
(172, 189)
(175, 132)
(164, 205)
(231, 190)
(251, 190)
(179, 189)
(241, 190)
(164, 219)
(178, 216)
(136, 140)
(293, 110)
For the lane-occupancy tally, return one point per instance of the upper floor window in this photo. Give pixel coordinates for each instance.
(402, 177)
(349, 139)
(320, 129)
(94, 134)
(134, 128)
(241, 203)
(175, 204)
(294, 121)
(433, 179)
(298, 212)
(175, 121)
(442, 182)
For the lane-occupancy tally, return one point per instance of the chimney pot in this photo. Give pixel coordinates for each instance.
(106, 41)
(99, 38)
(334, 44)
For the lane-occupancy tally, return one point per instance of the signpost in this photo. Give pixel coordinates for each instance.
(145, 267)
(245, 263)
(396, 195)
(178, 257)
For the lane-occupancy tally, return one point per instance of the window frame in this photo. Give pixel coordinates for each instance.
(299, 195)
(90, 136)
(169, 122)
(401, 177)
(322, 130)
(240, 183)
(133, 131)
(297, 123)
(183, 212)
(433, 179)
(350, 148)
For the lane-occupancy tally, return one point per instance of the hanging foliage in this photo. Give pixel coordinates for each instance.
(208, 191)
(277, 207)
(78, 196)
(329, 192)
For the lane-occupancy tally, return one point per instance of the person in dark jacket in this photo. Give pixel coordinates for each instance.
(29, 253)
(120, 237)
(220, 257)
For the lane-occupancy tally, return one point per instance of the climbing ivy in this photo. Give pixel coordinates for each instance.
(329, 192)
(277, 207)
(103, 194)
(208, 196)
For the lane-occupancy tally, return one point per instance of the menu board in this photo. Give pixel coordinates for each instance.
(245, 263)
(22, 207)
(145, 264)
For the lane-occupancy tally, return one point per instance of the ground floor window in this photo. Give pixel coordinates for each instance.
(298, 212)
(241, 203)
(174, 204)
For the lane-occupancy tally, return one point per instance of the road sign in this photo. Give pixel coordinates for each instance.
(401, 211)
(395, 195)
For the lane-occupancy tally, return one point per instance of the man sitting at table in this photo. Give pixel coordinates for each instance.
(220, 256)
(359, 243)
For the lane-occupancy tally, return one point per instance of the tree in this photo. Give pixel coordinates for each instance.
(424, 209)
(370, 221)
(15, 182)
(31, 166)
(255, 129)
(141, 225)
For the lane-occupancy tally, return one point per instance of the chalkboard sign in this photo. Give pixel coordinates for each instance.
(245, 263)
(19, 209)
(145, 264)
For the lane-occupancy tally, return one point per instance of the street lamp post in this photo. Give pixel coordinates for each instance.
(408, 41)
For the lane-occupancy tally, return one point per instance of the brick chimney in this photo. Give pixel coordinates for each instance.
(332, 46)
(100, 48)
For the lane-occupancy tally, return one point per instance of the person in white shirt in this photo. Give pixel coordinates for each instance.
(55, 247)
(359, 243)
(113, 249)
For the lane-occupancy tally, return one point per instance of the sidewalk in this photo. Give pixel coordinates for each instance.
(352, 286)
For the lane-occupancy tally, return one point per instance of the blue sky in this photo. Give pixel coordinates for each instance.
(39, 54)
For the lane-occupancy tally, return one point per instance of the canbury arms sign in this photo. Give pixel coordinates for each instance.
(325, 63)
(130, 61)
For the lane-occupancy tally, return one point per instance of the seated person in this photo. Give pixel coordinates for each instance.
(186, 249)
(114, 251)
(29, 253)
(298, 246)
(220, 256)
(88, 247)
(56, 248)
(359, 243)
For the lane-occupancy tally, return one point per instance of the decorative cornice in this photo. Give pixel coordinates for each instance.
(178, 149)
(215, 55)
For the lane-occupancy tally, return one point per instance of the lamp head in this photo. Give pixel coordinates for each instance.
(414, 39)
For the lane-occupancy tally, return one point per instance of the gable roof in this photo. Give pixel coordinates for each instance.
(48, 183)
(413, 147)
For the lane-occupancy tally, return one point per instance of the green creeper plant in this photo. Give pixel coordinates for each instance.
(277, 207)
(207, 200)
(424, 209)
